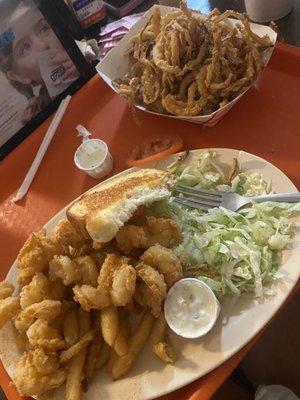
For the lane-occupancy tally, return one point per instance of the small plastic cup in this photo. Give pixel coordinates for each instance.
(94, 158)
(193, 303)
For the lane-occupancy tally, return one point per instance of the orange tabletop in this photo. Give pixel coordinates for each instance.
(265, 122)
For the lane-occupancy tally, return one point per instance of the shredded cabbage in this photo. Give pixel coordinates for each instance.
(205, 172)
(233, 252)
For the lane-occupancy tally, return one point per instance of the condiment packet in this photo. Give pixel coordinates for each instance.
(133, 17)
(110, 45)
(115, 36)
(113, 26)
(119, 33)
(112, 33)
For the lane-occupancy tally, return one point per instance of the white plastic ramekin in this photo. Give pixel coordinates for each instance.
(102, 160)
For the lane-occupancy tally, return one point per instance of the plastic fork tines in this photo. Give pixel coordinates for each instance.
(196, 197)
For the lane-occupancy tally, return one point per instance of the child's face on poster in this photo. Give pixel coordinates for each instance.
(32, 34)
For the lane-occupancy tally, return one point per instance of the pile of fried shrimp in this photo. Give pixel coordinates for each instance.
(188, 64)
(82, 309)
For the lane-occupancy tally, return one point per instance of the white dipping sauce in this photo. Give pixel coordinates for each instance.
(191, 308)
(93, 157)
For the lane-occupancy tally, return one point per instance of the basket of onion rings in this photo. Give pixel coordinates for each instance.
(188, 65)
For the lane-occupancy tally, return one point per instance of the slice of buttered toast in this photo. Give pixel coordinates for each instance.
(101, 213)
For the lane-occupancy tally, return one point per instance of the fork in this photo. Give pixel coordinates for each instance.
(205, 199)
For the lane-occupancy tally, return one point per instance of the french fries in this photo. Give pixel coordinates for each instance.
(59, 320)
(94, 349)
(57, 290)
(159, 346)
(135, 343)
(165, 352)
(92, 357)
(121, 366)
(70, 327)
(84, 321)
(76, 365)
(121, 344)
(109, 324)
(74, 313)
(66, 355)
(103, 356)
(141, 334)
(113, 356)
(159, 330)
(74, 377)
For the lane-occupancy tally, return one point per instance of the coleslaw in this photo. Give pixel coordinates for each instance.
(232, 252)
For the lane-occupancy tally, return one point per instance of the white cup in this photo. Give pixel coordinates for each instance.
(268, 10)
(180, 293)
(94, 158)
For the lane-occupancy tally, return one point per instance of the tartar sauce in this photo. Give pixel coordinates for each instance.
(91, 154)
(94, 158)
(191, 308)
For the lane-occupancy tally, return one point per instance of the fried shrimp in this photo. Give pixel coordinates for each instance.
(157, 230)
(65, 235)
(91, 298)
(8, 308)
(165, 231)
(165, 261)
(80, 270)
(38, 251)
(46, 310)
(153, 288)
(36, 291)
(88, 270)
(25, 276)
(40, 333)
(33, 255)
(64, 268)
(6, 290)
(111, 263)
(132, 237)
(123, 285)
(116, 285)
(38, 372)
